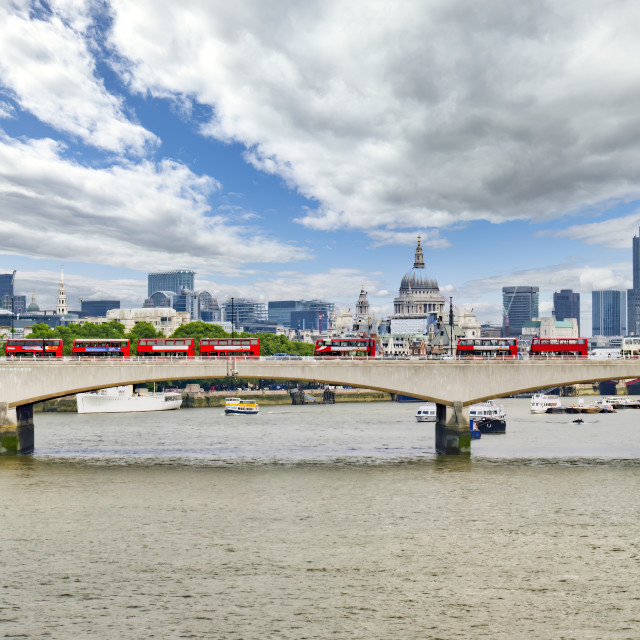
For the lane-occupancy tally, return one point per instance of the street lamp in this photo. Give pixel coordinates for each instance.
(451, 325)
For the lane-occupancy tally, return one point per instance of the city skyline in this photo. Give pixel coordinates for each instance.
(291, 166)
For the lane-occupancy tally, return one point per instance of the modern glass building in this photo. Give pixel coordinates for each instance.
(174, 281)
(301, 314)
(609, 313)
(520, 305)
(243, 312)
(6, 289)
(566, 304)
(97, 308)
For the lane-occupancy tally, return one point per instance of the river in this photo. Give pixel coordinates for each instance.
(334, 521)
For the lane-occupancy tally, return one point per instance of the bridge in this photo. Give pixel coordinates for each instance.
(451, 384)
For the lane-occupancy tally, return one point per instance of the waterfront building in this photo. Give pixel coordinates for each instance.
(566, 304)
(520, 305)
(6, 289)
(97, 307)
(174, 281)
(551, 328)
(608, 313)
(164, 319)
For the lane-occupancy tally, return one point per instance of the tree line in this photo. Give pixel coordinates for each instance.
(269, 342)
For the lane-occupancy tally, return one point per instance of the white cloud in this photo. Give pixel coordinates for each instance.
(429, 238)
(50, 71)
(412, 115)
(609, 233)
(146, 216)
(6, 110)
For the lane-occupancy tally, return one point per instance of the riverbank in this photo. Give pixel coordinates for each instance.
(264, 397)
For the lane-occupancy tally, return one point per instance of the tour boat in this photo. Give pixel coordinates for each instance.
(236, 406)
(488, 417)
(426, 412)
(541, 402)
(122, 399)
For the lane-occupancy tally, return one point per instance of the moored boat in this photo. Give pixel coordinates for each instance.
(541, 403)
(488, 417)
(426, 412)
(236, 406)
(122, 399)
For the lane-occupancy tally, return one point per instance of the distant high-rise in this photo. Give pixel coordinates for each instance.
(301, 314)
(6, 289)
(520, 305)
(608, 313)
(98, 308)
(566, 304)
(174, 281)
(633, 295)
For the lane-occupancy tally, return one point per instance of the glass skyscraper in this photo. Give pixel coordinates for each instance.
(520, 305)
(174, 281)
(633, 295)
(566, 304)
(609, 313)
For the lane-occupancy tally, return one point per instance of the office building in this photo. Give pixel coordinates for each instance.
(315, 315)
(520, 305)
(244, 312)
(608, 313)
(174, 281)
(566, 305)
(97, 308)
(633, 295)
(6, 289)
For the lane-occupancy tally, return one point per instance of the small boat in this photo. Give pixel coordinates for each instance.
(488, 417)
(578, 421)
(236, 406)
(542, 403)
(426, 412)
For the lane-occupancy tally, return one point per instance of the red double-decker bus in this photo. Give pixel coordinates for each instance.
(39, 347)
(167, 347)
(558, 347)
(487, 348)
(230, 347)
(345, 347)
(107, 348)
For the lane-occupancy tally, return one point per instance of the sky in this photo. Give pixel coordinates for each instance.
(296, 150)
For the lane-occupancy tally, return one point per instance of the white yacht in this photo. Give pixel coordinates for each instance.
(122, 399)
(540, 402)
(426, 412)
(488, 409)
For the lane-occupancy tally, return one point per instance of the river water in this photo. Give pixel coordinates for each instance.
(335, 521)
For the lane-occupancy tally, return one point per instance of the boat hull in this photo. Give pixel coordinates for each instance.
(240, 411)
(93, 403)
(491, 425)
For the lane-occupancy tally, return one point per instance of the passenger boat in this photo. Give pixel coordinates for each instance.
(541, 403)
(488, 417)
(426, 412)
(123, 400)
(236, 406)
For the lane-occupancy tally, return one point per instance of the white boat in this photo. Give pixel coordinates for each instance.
(488, 409)
(426, 412)
(236, 406)
(488, 417)
(122, 399)
(540, 402)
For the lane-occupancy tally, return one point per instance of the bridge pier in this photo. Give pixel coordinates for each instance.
(453, 435)
(16, 429)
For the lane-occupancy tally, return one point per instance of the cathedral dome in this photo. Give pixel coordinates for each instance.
(34, 305)
(416, 278)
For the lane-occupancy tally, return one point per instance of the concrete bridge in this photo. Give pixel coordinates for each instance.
(452, 385)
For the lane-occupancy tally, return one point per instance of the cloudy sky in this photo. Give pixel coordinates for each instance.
(297, 149)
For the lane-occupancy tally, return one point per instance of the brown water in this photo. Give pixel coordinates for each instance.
(321, 522)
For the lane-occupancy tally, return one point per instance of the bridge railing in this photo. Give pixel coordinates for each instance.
(207, 359)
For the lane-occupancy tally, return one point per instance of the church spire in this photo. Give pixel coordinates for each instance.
(62, 308)
(418, 263)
